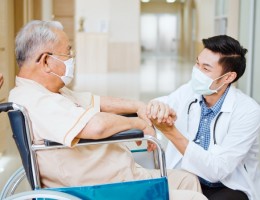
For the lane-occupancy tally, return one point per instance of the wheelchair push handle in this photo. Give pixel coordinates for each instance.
(5, 107)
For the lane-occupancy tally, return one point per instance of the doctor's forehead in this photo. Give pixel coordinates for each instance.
(207, 57)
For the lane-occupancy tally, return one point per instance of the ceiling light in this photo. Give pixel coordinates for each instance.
(170, 1)
(145, 1)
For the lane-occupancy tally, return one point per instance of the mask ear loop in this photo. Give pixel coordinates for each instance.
(217, 89)
(57, 58)
(51, 72)
(55, 74)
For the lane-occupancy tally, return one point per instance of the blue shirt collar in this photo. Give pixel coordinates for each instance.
(215, 108)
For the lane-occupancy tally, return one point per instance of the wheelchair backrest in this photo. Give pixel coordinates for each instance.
(17, 122)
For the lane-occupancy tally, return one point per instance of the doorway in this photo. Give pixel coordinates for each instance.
(159, 34)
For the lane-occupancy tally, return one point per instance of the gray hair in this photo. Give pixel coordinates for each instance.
(34, 36)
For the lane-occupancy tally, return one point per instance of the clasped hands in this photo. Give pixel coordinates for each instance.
(158, 114)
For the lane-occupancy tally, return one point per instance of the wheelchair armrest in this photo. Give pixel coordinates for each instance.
(5, 107)
(130, 115)
(129, 134)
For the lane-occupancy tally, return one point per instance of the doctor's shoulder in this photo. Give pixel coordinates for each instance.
(246, 103)
(180, 95)
(185, 91)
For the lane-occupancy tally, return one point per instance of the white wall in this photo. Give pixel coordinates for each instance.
(205, 14)
(46, 10)
(125, 24)
(120, 18)
(245, 40)
(95, 13)
(249, 37)
(233, 18)
(256, 61)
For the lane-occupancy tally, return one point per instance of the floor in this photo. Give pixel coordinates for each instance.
(159, 75)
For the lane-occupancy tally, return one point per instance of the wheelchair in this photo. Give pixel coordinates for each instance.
(156, 188)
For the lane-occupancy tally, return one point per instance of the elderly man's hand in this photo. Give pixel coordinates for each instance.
(141, 112)
(149, 130)
(160, 112)
(1, 80)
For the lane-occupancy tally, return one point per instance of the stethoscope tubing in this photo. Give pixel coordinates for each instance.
(215, 123)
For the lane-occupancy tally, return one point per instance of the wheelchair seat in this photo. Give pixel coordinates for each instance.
(141, 189)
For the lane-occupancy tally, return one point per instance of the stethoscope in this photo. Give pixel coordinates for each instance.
(215, 123)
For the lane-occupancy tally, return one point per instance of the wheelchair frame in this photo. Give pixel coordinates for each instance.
(34, 180)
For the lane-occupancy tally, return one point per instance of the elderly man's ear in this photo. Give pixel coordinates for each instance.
(43, 62)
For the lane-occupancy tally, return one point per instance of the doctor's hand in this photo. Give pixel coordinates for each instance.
(1, 80)
(173, 134)
(160, 112)
(166, 128)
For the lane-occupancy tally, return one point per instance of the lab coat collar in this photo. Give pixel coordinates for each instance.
(229, 100)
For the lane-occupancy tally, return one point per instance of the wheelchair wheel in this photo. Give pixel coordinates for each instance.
(42, 194)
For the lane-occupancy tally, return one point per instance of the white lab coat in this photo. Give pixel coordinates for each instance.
(233, 160)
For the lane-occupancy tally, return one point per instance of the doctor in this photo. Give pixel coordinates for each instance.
(215, 131)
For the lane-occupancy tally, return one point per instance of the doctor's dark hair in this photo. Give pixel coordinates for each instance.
(34, 38)
(232, 53)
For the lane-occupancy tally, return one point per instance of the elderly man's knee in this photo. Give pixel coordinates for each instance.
(179, 179)
(187, 195)
(189, 177)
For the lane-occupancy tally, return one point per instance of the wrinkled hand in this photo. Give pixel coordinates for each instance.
(149, 130)
(141, 112)
(160, 112)
(1, 80)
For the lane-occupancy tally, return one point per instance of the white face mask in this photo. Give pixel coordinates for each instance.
(201, 83)
(69, 72)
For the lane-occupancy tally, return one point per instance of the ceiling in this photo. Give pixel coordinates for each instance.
(162, 1)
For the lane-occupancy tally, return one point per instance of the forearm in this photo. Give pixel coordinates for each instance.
(179, 141)
(103, 125)
(119, 105)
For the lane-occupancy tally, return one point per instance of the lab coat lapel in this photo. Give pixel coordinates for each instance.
(229, 101)
(194, 118)
(223, 121)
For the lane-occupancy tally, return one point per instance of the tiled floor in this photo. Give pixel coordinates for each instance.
(159, 75)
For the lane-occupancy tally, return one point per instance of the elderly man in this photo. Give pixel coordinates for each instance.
(46, 65)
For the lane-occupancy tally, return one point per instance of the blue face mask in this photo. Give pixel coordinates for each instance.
(201, 83)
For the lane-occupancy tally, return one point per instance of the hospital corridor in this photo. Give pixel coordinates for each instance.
(141, 50)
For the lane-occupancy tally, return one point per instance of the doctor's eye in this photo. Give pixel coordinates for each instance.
(205, 69)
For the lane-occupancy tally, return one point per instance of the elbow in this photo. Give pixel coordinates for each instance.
(96, 131)
(222, 171)
(93, 130)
